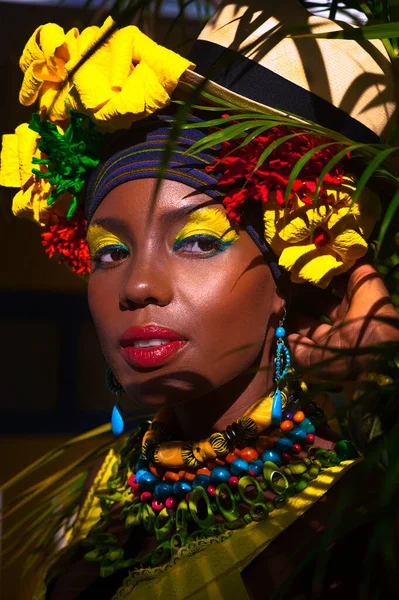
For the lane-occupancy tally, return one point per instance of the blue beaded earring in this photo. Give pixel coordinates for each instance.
(117, 422)
(283, 363)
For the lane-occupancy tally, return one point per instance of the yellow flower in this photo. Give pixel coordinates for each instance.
(315, 244)
(43, 63)
(30, 202)
(128, 78)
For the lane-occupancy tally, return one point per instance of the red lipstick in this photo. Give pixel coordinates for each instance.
(150, 346)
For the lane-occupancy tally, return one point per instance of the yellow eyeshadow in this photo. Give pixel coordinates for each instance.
(208, 221)
(97, 237)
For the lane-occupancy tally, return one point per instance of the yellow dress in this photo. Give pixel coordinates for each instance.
(207, 568)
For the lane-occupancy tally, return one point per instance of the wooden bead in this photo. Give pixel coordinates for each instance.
(299, 416)
(263, 443)
(203, 471)
(287, 425)
(189, 476)
(249, 454)
(171, 476)
(230, 457)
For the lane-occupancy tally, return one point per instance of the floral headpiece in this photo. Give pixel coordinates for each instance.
(315, 230)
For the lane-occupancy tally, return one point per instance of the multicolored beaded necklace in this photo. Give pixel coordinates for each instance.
(180, 492)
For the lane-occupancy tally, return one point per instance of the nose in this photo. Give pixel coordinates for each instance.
(147, 281)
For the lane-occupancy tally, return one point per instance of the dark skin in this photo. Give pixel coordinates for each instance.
(223, 368)
(227, 307)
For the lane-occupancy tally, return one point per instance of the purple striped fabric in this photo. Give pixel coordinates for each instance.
(142, 155)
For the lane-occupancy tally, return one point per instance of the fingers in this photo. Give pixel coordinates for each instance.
(308, 327)
(321, 362)
(366, 292)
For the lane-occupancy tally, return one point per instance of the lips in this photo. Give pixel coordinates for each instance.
(150, 346)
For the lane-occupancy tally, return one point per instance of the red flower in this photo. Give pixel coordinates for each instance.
(237, 169)
(67, 238)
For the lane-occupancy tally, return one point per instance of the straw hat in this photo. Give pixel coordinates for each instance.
(344, 85)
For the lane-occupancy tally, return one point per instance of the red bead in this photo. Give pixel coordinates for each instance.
(299, 416)
(233, 482)
(157, 505)
(230, 457)
(296, 448)
(211, 490)
(146, 497)
(131, 479)
(249, 454)
(252, 472)
(287, 425)
(135, 487)
(188, 496)
(310, 438)
(171, 503)
(286, 457)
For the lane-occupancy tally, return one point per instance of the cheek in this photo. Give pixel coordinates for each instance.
(104, 306)
(232, 301)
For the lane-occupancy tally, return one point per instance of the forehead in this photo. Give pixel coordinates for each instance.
(139, 201)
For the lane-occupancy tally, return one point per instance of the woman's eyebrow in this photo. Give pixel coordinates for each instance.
(108, 223)
(183, 211)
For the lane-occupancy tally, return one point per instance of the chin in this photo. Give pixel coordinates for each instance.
(169, 389)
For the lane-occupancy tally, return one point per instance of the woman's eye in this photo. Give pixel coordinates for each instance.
(109, 255)
(200, 244)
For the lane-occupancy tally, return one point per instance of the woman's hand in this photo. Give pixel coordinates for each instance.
(353, 326)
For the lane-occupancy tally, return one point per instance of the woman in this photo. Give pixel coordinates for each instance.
(190, 307)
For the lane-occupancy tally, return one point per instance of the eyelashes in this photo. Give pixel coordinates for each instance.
(109, 255)
(204, 244)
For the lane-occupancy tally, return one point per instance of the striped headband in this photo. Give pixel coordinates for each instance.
(141, 156)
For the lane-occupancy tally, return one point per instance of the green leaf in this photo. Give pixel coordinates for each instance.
(388, 216)
(370, 169)
(368, 32)
(300, 164)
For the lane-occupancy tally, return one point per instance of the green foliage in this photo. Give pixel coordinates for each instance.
(69, 156)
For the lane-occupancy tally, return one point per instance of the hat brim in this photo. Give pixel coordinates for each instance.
(190, 79)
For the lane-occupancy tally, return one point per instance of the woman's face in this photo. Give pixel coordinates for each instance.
(181, 299)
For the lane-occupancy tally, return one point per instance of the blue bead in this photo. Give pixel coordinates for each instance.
(202, 480)
(239, 467)
(117, 422)
(142, 463)
(256, 465)
(277, 408)
(163, 490)
(297, 434)
(280, 332)
(283, 445)
(148, 481)
(139, 473)
(272, 456)
(220, 475)
(181, 488)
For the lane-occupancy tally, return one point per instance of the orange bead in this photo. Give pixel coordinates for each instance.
(230, 457)
(211, 464)
(189, 475)
(203, 471)
(287, 425)
(249, 454)
(237, 452)
(154, 470)
(299, 416)
(171, 476)
(219, 462)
